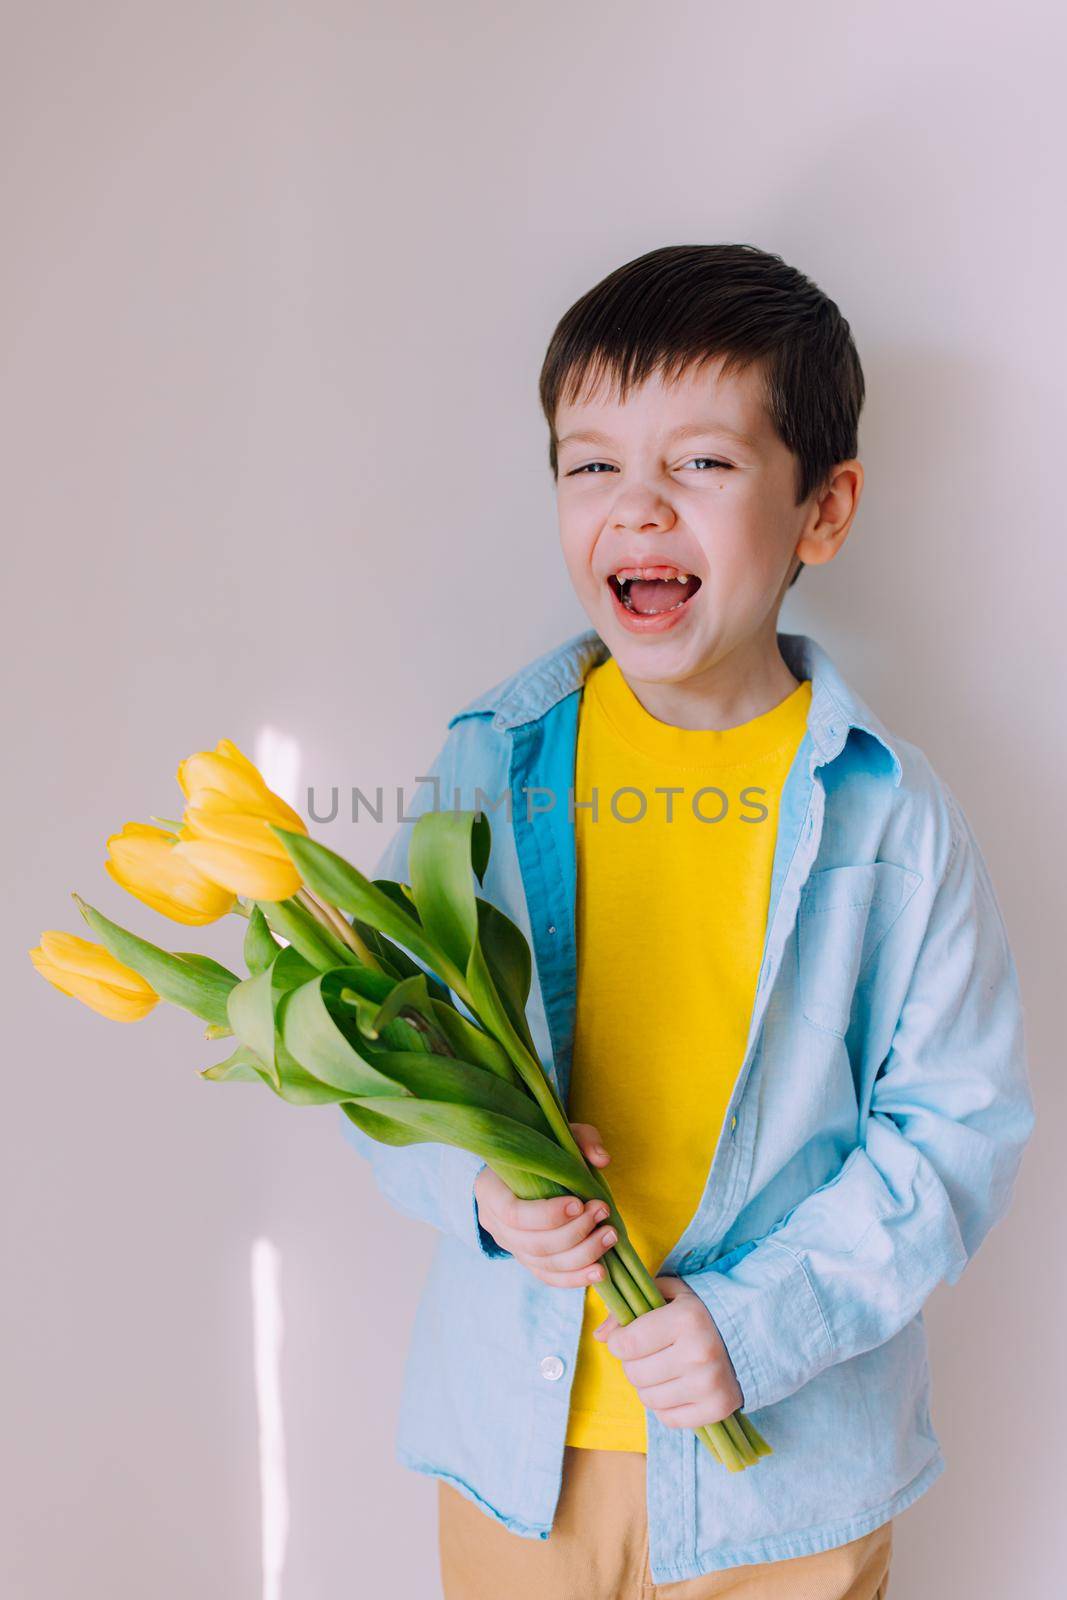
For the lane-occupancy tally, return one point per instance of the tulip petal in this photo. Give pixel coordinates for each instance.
(228, 773)
(232, 828)
(246, 872)
(82, 958)
(143, 862)
(86, 972)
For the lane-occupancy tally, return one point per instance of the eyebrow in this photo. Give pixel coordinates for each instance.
(688, 430)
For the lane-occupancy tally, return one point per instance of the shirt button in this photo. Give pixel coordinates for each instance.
(551, 927)
(551, 1368)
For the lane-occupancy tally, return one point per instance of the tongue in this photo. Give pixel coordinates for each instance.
(659, 594)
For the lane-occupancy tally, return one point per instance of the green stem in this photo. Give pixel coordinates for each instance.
(718, 1438)
(342, 930)
(740, 1439)
(625, 1284)
(630, 1277)
(613, 1300)
(752, 1433)
(306, 933)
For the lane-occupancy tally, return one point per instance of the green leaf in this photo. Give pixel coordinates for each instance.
(510, 965)
(253, 1004)
(357, 996)
(206, 965)
(441, 1078)
(261, 947)
(391, 955)
(506, 951)
(305, 933)
(295, 1084)
(399, 894)
(472, 1043)
(201, 987)
(494, 1137)
(361, 1024)
(446, 847)
(384, 953)
(313, 1039)
(439, 862)
(340, 884)
(493, 1011)
(372, 986)
(240, 1067)
(410, 993)
(379, 1127)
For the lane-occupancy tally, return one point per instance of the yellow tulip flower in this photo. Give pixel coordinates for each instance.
(225, 773)
(226, 833)
(238, 852)
(89, 973)
(143, 861)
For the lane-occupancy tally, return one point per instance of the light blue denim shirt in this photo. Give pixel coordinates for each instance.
(872, 1140)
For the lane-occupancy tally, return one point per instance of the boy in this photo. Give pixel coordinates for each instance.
(771, 977)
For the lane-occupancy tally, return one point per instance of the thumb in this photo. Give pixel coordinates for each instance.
(670, 1287)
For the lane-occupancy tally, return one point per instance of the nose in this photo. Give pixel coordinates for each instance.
(642, 511)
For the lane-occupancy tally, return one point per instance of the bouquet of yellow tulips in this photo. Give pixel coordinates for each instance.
(353, 993)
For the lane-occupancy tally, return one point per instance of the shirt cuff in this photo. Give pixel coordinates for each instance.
(769, 1318)
(460, 1169)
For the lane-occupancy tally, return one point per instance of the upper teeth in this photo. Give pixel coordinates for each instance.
(626, 573)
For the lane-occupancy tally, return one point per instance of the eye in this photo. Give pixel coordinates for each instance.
(597, 467)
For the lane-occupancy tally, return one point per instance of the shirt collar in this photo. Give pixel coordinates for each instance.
(834, 713)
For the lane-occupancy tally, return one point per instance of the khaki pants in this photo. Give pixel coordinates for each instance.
(598, 1549)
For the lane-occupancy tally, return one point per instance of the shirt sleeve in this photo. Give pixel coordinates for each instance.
(433, 1183)
(951, 1112)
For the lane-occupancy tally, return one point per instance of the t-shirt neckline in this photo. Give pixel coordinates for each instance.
(779, 727)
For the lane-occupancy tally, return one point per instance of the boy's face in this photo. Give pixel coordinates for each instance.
(688, 478)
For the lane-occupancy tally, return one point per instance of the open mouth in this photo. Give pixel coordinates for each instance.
(653, 591)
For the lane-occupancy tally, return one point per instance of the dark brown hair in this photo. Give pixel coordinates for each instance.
(685, 304)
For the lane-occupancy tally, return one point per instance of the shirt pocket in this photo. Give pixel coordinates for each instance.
(843, 916)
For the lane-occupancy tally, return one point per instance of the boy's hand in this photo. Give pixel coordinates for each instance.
(675, 1358)
(558, 1239)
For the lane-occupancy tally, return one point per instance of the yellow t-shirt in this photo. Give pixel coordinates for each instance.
(670, 923)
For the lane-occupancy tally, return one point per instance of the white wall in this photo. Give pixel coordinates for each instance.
(276, 286)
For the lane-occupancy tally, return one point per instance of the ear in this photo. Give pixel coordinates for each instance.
(834, 512)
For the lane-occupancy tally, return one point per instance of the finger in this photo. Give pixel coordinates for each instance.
(556, 1280)
(651, 1331)
(538, 1216)
(495, 1196)
(607, 1326)
(563, 1241)
(676, 1391)
(590, 1143)
(644, 1371)
(691, 1416)
(586, 1254)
